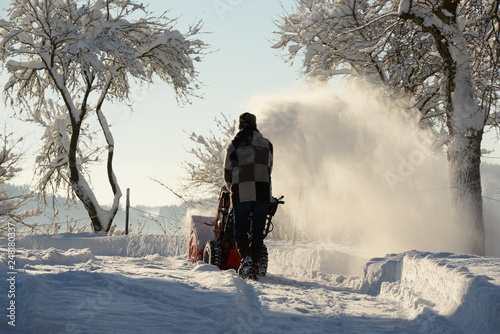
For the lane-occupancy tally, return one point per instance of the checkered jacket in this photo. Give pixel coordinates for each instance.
(248, 165)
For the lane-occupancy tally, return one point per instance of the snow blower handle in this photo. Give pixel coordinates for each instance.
(280, 200)
(273, 207)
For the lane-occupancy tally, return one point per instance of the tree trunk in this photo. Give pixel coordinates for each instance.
(464, 157)
(465, 122)
(111, 175)
(101, 219)
(76, 179)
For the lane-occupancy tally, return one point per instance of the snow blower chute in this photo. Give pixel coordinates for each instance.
(212, 238)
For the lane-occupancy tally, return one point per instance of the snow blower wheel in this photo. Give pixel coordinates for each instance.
(263, 262)
(212, 254)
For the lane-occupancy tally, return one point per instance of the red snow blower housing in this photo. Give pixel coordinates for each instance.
(212, 238)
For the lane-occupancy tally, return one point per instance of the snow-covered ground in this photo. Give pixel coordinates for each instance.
(85, 283)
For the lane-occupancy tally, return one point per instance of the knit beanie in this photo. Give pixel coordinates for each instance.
(248, 121)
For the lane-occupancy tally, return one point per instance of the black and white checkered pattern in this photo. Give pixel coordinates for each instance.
(248, 165)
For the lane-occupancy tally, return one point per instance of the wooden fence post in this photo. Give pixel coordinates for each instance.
(127, 211)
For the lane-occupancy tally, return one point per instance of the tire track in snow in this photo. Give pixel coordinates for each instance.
(302, 306)
(247, 315)
(298, 306)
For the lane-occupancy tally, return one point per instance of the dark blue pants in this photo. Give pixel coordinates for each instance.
(242, 211)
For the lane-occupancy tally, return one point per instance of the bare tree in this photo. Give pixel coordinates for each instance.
(445, 54)
(66, 59)
(10, 204)
(204, 173)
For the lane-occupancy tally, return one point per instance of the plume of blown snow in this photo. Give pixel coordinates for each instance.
(356, 169)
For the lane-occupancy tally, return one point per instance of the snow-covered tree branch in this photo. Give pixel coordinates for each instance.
(443, 54)
(10, 160)
(204, 173)
(67, 59)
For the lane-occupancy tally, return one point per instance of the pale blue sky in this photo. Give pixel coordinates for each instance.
(150, 141)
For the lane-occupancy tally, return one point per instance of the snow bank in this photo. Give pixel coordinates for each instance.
(131, 245)
(50, 256)
(434, 292)
(442, 289)
(438, 290)
(438, 285)
(313, 259)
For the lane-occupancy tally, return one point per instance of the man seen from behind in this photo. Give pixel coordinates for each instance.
(247, 173)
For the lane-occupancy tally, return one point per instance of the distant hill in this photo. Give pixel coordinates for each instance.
(68, 217)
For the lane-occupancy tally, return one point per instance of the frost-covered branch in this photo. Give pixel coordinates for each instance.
(10, 204)
(204, 173)
(379, 41)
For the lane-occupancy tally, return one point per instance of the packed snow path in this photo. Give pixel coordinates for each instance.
(158, 294)
(111, 287)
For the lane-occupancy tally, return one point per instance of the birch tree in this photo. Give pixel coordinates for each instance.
(69, 59)
(445, 54)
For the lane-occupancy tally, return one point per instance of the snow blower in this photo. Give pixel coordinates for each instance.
(212, 238)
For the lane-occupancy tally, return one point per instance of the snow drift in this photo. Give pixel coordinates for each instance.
(437, 292)
(317, 259)
(135, 246)
(437, 285)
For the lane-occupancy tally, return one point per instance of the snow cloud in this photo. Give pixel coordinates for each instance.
(354, 168)
(490, 175)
